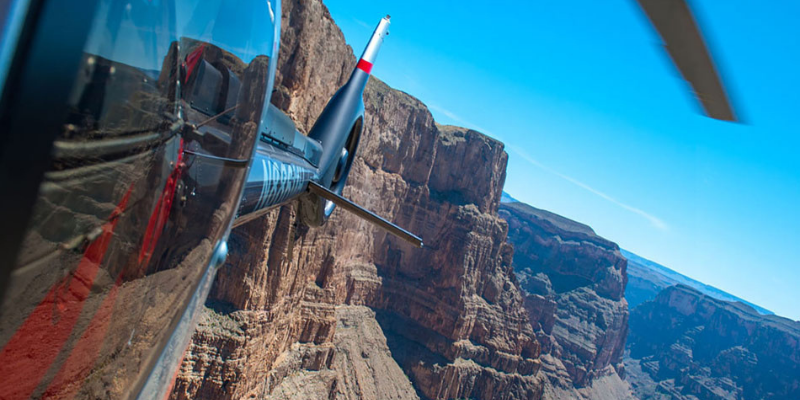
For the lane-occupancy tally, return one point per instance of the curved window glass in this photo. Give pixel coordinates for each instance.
(145, 180)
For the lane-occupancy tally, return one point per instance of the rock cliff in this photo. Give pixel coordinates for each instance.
(574, 283)
(288, 304)
(688, 345)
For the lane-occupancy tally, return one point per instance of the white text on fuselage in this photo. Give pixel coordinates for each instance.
(281, 181)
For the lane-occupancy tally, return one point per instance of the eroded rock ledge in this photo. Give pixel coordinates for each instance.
(687, 345)
(451, 315)
(574, 284)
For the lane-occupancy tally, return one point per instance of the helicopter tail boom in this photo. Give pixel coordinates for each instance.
(365, 214)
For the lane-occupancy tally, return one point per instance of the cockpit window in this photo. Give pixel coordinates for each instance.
(145, 180)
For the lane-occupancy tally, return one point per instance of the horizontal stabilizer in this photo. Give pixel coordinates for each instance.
(684, 42)
(365, 214)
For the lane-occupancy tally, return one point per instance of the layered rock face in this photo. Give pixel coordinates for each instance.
(362, 366)
(286, 304)
(574, 283)
(688, 345)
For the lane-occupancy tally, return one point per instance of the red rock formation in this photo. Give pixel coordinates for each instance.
(451, 313)
(690, 345)
(363, 367)
(574, 283)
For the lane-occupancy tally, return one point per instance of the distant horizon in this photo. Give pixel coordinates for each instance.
(600, 128)
(623, 249)
(756, 307)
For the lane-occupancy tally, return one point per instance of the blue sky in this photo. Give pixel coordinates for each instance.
(600, 127)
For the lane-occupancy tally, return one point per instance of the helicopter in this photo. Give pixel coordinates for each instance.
(163, 139)
(136, 135)
(676, 24)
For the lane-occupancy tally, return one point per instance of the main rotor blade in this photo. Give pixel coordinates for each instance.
(364, 213)
(674, 21)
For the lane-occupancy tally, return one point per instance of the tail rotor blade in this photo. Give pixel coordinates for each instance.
(365, 214)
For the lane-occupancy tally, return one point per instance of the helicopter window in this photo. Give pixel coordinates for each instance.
(210, 86)
(136, 82)
(215, 91)
(141, 187)
(206, 93)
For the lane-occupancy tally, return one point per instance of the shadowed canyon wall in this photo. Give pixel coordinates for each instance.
(574, 284)
(688, 345)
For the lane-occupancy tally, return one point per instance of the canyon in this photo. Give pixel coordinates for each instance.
(688, 345)
(646, 279)
(574, 284)
(505, 301)
(299, 313)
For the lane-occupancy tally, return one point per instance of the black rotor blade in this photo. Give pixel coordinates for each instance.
(684, 42)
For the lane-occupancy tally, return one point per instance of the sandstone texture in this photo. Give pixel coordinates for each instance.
(574, 283)
(288, 316)
(362, 368)
(688, 345)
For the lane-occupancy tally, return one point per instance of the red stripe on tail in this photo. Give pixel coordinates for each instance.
(364, 65)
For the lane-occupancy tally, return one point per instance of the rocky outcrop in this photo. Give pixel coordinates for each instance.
(574, 283)
(362, 368)
(688, 345)
(451, 313)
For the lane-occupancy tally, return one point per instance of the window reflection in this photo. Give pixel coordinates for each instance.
(164, 115)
